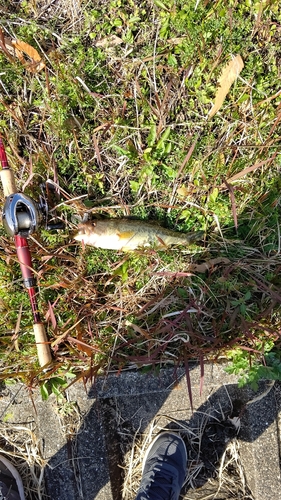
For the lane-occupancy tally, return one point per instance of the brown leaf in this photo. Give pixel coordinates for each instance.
(109, 41)
(183, 192)
(97, 150)
(229, 74)
(16, 332)
(247, 170)
(17, 48)
(4, 47)
(21, 48)
(206, 266)
(161, 241)
(81, 346)
(52, 317)
(140, 330)
(176, 40)
(27, 49)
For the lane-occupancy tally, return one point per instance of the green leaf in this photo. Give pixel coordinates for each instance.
(8, 416)
(134, 186)
(161, 5)
(165, 134)
(134, 19)
(172, 60)
(214, 194)
(161, 143)
(152, 135)
(168, 148)
(44, 391)
(164, 31)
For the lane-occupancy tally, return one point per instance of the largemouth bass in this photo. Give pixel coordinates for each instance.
(129, 234)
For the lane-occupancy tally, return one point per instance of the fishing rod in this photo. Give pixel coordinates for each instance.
(21, 217)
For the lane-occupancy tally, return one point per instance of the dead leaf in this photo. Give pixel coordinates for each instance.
(161, 241)
(3, 46)
(16, 332)
(19, 49)
(247, 170)
(109, 41)
(97, 150)
(61, 337)
(229, 74)
(183, 192)
(52, 316)
(81, 345)
(206, 266)
(140, 330)
(176, 40)
(233, 203)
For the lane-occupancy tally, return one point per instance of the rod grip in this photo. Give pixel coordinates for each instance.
(8, 181)
(43, 348)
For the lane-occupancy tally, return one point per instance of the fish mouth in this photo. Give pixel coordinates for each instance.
(78, 235)
(82, 232)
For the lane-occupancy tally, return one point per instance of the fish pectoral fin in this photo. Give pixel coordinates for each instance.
(161, 241)
(126, 235)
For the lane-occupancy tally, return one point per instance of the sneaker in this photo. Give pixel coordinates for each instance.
(11, 487)
(164, 468)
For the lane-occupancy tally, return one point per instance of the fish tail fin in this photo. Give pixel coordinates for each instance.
(195, 236)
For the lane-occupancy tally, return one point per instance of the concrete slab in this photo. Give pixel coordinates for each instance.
(169, 402)
(259, 447)
(85, 439)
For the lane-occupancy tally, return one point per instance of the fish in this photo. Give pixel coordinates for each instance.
(130, 234)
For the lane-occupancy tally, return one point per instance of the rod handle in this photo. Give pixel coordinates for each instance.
(43, 348)
(8, 181)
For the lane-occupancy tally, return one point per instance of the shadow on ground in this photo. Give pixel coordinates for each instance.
(120, 411)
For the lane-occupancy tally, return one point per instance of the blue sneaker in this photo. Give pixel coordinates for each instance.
(164, 468)
(11, 487)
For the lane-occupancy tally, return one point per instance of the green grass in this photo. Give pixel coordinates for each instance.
(111, 120)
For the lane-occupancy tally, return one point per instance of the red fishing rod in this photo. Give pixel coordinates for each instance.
(21, 217)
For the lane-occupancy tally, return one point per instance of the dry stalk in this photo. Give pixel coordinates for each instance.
(22, 447)
(227, 481)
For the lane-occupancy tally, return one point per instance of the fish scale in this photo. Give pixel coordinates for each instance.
(129, 234)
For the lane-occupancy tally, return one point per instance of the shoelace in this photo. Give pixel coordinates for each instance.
(161, 486)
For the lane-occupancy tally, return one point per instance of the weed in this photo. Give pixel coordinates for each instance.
(118, 119)
(254, 366)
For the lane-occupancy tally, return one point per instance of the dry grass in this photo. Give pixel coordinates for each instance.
(117, 121)
(227, 479)
(20, 445)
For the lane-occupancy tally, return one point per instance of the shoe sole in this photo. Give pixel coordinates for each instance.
(155, 439)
